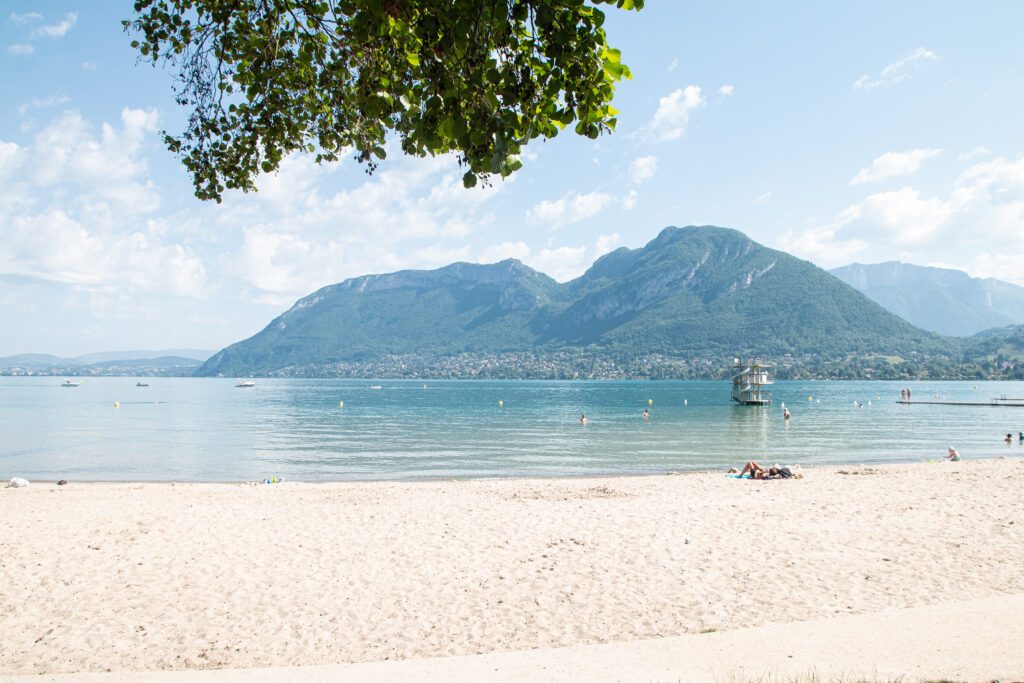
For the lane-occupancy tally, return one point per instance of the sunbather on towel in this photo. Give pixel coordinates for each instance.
(757, 471)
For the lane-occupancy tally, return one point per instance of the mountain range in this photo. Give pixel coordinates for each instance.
(697, 291)
(938, 299)
(166, 358)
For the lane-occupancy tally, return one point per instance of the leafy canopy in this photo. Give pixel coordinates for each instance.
(481, 78)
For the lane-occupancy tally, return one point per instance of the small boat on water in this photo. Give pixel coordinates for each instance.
(245, 384)
(748, 380)
(69, 383)
(140, 384)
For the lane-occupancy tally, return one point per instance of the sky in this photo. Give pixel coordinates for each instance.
(869, 132)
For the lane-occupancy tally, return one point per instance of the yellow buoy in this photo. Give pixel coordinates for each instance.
(810, 398)
(341, 404)
(650, 401)
(117, 404)
(501, 404)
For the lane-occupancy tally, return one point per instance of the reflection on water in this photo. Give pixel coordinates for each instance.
(206, 429)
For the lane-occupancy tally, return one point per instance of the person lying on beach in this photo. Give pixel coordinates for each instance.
(953, 455)
(756, 471)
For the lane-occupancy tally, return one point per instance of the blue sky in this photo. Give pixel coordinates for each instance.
(867, 132)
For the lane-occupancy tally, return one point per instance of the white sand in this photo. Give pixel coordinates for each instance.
(157, 576)
(977, 640)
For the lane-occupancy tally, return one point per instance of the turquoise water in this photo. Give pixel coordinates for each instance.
(207, 430)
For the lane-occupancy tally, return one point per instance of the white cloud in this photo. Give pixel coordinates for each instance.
(300, 235)
(56, 246)
(59, 29)
(570, 208)
(11, 155)
(88, 66)
(629, 201)
(643, 169)
(437, 255)
(983, 207)
(505, 250)
(26, 18)
(20, 49)
(979, 151)
(726, 90)
(897, 71)
(1000, 266)
(672, 66)
(673, 113)
(763, 197)
(43, 103)
(606, 243)
(894, 164)
(561, 263)
(902, 216)
(276, 262)
(71, 211)
(110, 167)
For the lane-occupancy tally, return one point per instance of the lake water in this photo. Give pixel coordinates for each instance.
(208, 430)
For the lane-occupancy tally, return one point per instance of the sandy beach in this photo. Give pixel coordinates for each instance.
(141, 577)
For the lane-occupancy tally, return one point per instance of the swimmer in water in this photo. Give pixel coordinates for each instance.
(646, 413)
(785, 414)
(1009, 438)
(584, 420)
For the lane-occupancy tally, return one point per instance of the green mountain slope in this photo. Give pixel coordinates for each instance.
(695, 291)
(462, 307)
(938, 299)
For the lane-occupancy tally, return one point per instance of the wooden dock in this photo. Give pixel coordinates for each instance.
(1006, 402)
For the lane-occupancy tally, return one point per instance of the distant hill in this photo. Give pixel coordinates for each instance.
(104, 356)
(165, 358)
(1005, 341)
(161, 362)
(691, 291)
(36, 360)
(938, 299)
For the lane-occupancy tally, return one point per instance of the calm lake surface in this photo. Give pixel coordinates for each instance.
(208, 430)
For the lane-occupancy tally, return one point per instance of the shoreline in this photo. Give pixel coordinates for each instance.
(536, 477)
(160, 576)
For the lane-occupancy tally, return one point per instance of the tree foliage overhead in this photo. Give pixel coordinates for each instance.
(480, 78)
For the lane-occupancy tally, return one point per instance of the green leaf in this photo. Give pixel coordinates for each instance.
(477, 79)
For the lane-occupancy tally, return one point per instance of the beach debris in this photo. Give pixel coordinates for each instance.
(17, 483)
(62, 482)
